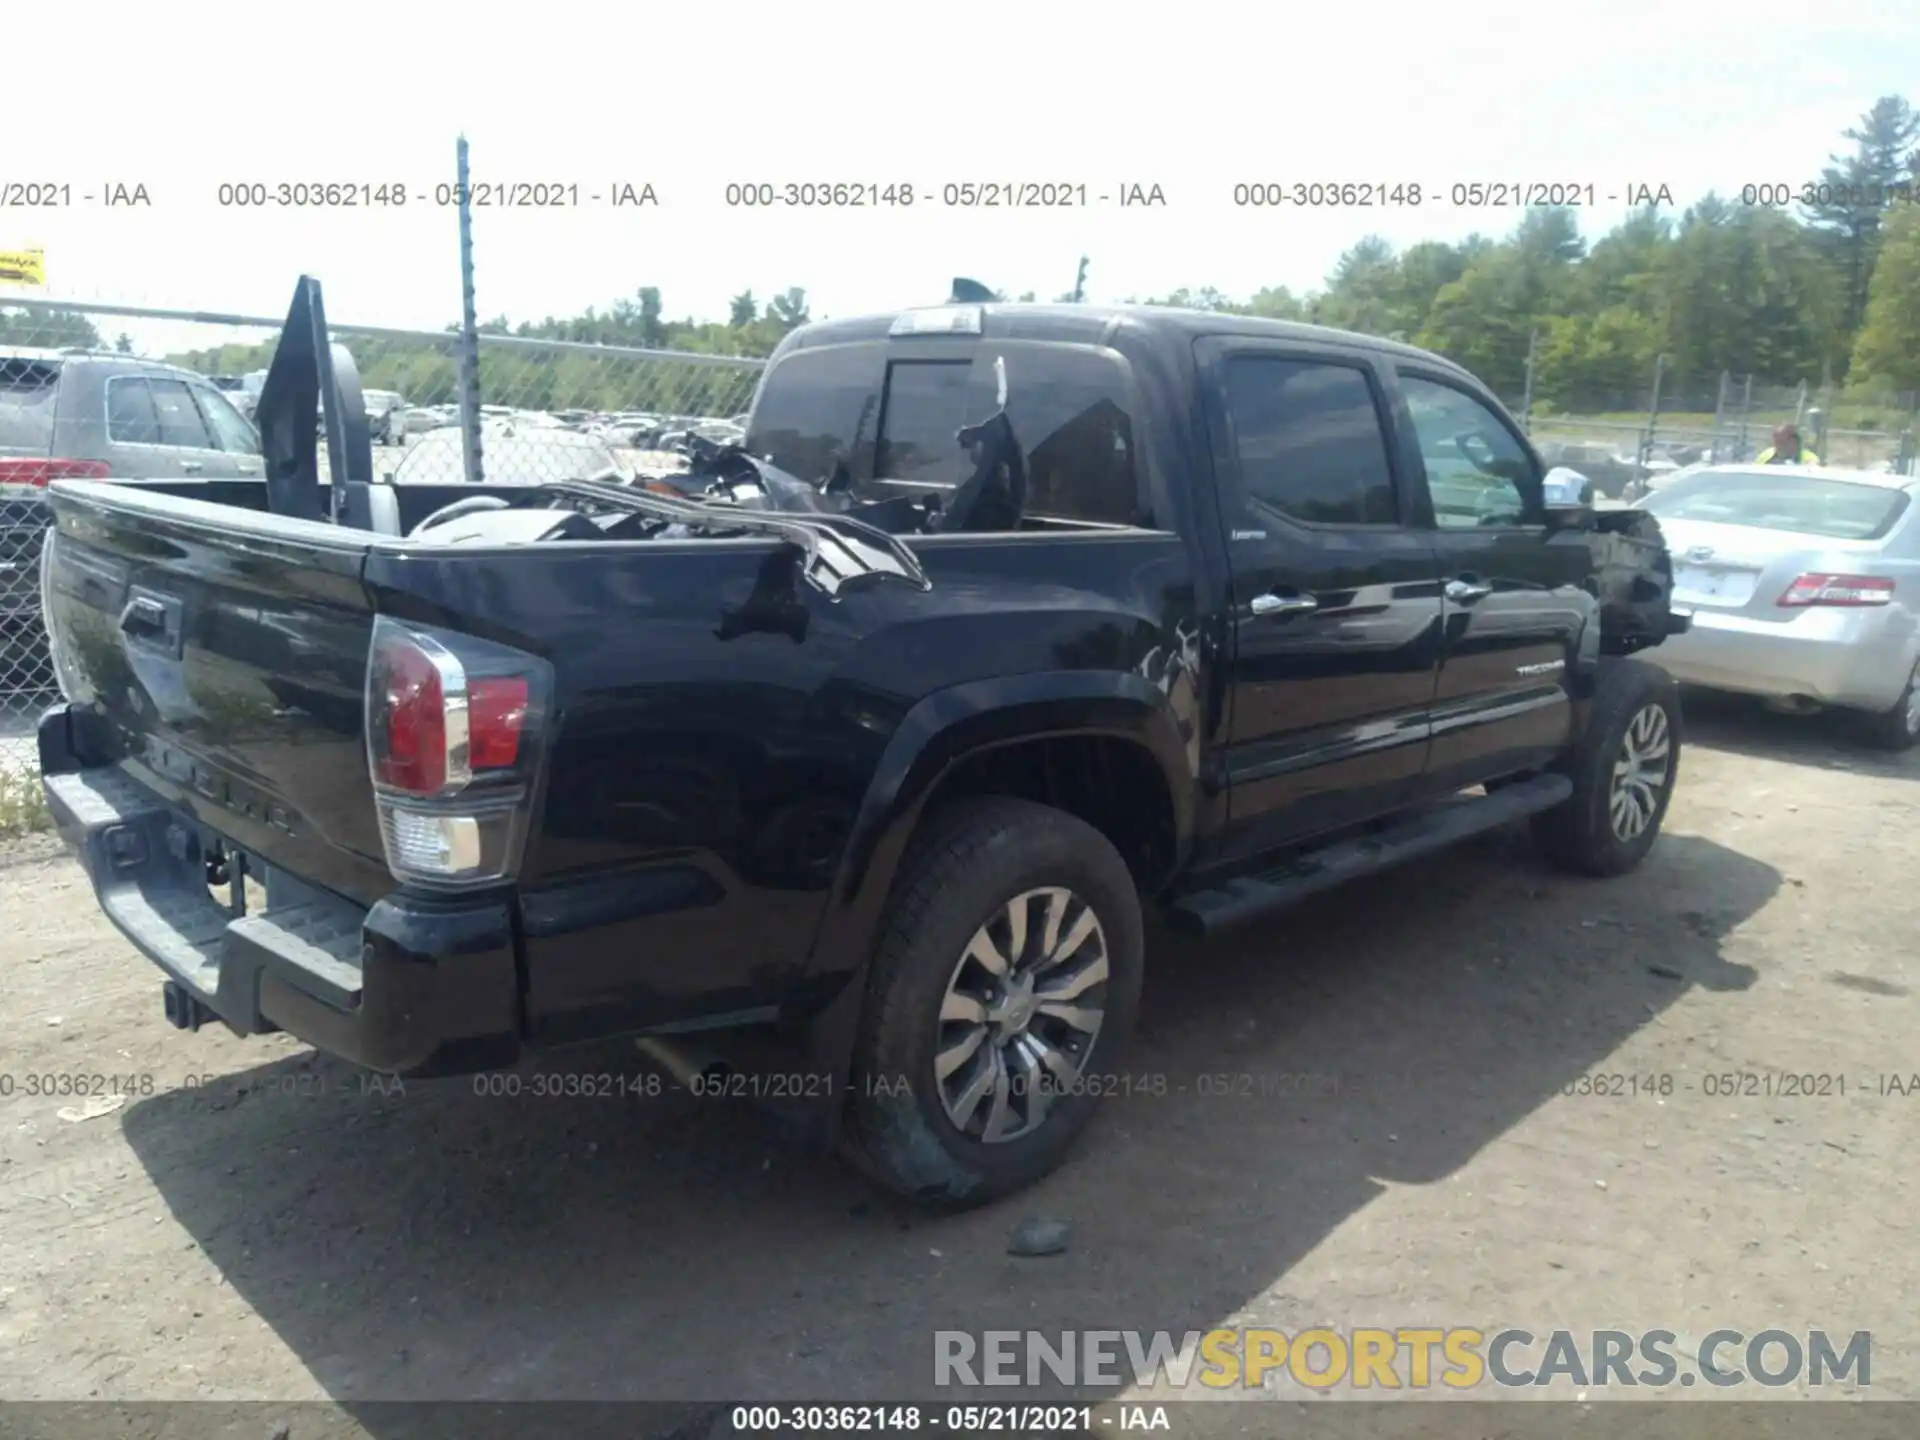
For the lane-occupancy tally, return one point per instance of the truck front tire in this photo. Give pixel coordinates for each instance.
(1005, 982)
(1623, 768)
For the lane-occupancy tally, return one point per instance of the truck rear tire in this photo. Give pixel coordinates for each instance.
(1623, 769)
(1006, 976)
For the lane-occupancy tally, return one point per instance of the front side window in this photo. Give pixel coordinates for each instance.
(1478, 474)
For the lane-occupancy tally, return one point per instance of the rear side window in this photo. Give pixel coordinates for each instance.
(1309, 440)
(180, 422)
(131, 418)
(28, 391)
(1069, 409)
(1804, 505)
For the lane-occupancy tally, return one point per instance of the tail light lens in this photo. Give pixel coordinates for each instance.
(1814, 589)
(455, 729)
(37, 472)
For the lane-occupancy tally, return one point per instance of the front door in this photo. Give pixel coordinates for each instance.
(1336, 601)
(1516, 609)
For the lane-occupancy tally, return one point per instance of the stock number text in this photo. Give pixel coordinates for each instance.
(1820, 193)
(818, 194)
(1269, 194)
(315, 194)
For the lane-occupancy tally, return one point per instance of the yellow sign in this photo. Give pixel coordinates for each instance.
(23, 267)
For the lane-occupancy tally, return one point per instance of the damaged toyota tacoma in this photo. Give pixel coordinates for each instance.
(855, 773)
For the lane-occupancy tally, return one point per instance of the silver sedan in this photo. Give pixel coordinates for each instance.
(1804, 583)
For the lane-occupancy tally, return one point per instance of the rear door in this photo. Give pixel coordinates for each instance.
(1335, 597)
(1515, 606)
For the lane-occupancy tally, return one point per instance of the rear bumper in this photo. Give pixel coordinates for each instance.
(1858, 659)
(410, 987)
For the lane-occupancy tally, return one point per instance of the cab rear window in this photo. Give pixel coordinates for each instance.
(891, 425)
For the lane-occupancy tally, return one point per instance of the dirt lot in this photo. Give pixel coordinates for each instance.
(283, 1232)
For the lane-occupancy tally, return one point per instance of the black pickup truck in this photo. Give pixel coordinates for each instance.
(846, 785)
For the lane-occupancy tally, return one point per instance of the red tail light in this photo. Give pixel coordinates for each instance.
(454, 737)
(410, 716)
(36, 471)
(1814, 589)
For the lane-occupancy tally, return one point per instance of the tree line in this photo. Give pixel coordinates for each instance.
(1825, 292)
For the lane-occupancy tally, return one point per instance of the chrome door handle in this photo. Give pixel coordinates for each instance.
(192, 467)
(1462, 591)
(1284, 604)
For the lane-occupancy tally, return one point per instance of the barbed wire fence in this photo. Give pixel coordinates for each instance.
(551, 410)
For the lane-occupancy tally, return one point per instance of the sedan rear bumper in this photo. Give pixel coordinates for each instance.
(1858, 659)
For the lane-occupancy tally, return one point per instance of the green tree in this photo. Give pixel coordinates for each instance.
(789, 310)
(1888, 348)
(1362, 290)
(1596, 362)
(1850, 201)
(48, 330)
(742, 310)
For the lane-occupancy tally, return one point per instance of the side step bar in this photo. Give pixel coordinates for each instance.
(1207, 912)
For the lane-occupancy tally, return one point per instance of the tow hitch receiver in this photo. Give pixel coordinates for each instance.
(184, 1012)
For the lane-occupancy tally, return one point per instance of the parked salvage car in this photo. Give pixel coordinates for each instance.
(1007, 625)
(94, 414)
(512, 453)
(1803, 585)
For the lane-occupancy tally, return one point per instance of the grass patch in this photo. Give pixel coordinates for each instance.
(23, 808)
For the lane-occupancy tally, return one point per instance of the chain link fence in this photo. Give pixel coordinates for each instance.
(550, 410)
(1623, 439)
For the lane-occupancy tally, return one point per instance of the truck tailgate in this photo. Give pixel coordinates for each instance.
(220, 658)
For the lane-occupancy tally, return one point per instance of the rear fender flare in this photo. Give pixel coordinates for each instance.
(939, 732)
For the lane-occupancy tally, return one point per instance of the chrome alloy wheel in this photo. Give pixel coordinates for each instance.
(1640, 773)
(1020, 1014)
(1913, 702)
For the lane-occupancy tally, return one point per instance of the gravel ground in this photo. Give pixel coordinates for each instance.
(265, 1225)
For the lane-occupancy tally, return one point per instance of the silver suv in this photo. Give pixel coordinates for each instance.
(84, 412)
(97, 414)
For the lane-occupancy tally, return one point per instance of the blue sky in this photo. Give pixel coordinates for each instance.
(1194, 98)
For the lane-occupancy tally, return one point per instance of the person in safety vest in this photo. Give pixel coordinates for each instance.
(1787, 449)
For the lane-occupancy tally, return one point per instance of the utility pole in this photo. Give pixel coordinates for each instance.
(1653, 409)
(1526, 398)
(1080, 283)
(469, 328)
